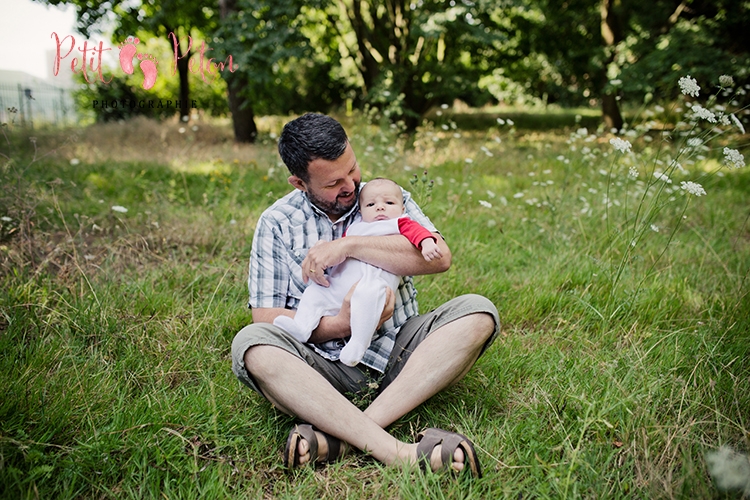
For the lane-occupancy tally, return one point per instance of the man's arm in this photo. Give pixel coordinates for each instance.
(393, 253)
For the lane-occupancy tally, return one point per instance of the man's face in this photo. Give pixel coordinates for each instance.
(334, 185)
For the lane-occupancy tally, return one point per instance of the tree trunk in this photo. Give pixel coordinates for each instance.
(243, 118)
(611, 31)
(611, 112)
(182, 70)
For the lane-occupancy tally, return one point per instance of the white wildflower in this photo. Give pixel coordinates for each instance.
(726, 81)
(5, 218)
(620, 145)
(733, 158)
(730, 469)
(118, 208)
(491, 194)
(233, 222)
(74, 161)
(181, 130)
(510, 122)
(485, 204)
(663, 177)
(469, 160)
(689, 86)
(655, 228)
(500, 121)
(693, 188)
(518, 195)
(737, 123)
(704, 113)
(633, 172)
(695, 142)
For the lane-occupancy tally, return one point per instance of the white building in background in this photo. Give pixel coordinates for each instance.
(37, 100)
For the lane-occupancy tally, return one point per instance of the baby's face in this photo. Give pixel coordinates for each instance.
(381, 200)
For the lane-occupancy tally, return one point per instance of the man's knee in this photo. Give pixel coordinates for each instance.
(483, 319)
(247, 359)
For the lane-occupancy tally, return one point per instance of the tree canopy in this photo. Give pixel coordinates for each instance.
(402, 58)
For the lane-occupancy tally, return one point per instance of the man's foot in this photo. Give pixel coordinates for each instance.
(439, 449)
(307, 444)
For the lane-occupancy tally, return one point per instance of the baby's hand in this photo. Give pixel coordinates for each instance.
(430, 250)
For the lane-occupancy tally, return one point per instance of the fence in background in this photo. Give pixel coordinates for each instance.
(36, 103)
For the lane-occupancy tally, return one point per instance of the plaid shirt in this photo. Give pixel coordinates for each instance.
(284, 234)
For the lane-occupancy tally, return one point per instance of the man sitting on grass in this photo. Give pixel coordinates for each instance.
(411, 358)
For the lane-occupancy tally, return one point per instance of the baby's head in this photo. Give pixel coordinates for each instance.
(381, 199)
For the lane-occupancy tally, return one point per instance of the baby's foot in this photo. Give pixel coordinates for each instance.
(127, 53)
(148, 66)
(352, 353)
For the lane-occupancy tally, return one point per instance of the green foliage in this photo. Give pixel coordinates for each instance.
(274, 56)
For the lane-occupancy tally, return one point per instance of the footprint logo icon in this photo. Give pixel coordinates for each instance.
(128, 51)
(148, 66)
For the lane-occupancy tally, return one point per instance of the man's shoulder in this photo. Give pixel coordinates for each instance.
(289, 207)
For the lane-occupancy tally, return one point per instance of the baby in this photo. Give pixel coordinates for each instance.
(381, 203)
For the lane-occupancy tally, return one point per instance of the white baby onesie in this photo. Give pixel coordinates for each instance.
(367, 301)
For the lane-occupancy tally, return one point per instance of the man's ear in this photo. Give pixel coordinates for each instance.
(297, 183)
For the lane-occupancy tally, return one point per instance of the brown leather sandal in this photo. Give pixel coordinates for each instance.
(336, 448)
(449, 442)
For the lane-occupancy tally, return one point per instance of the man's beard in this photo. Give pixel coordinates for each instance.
(335, 208)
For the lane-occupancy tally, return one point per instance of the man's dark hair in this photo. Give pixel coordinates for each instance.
(310, 137)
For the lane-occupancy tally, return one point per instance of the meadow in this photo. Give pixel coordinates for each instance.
(624, 359)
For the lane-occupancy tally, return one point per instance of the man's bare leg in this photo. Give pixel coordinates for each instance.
(297, 389)
(441, 360)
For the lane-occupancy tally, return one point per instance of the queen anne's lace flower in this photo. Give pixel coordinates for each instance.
(693, 188)
(485, 204)
(620, 145)
(689, 86)
(702, 112)
(726, 81)
(733, 158)
(663, 177)
(119, 208)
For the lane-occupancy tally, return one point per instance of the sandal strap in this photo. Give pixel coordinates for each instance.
(449, 442)
(334, 448)
(308, 433)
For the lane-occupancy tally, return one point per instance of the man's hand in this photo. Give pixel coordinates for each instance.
(321, 256)
(390, 306)
(430, 250)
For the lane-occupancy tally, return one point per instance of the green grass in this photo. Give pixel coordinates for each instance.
(618, 368)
